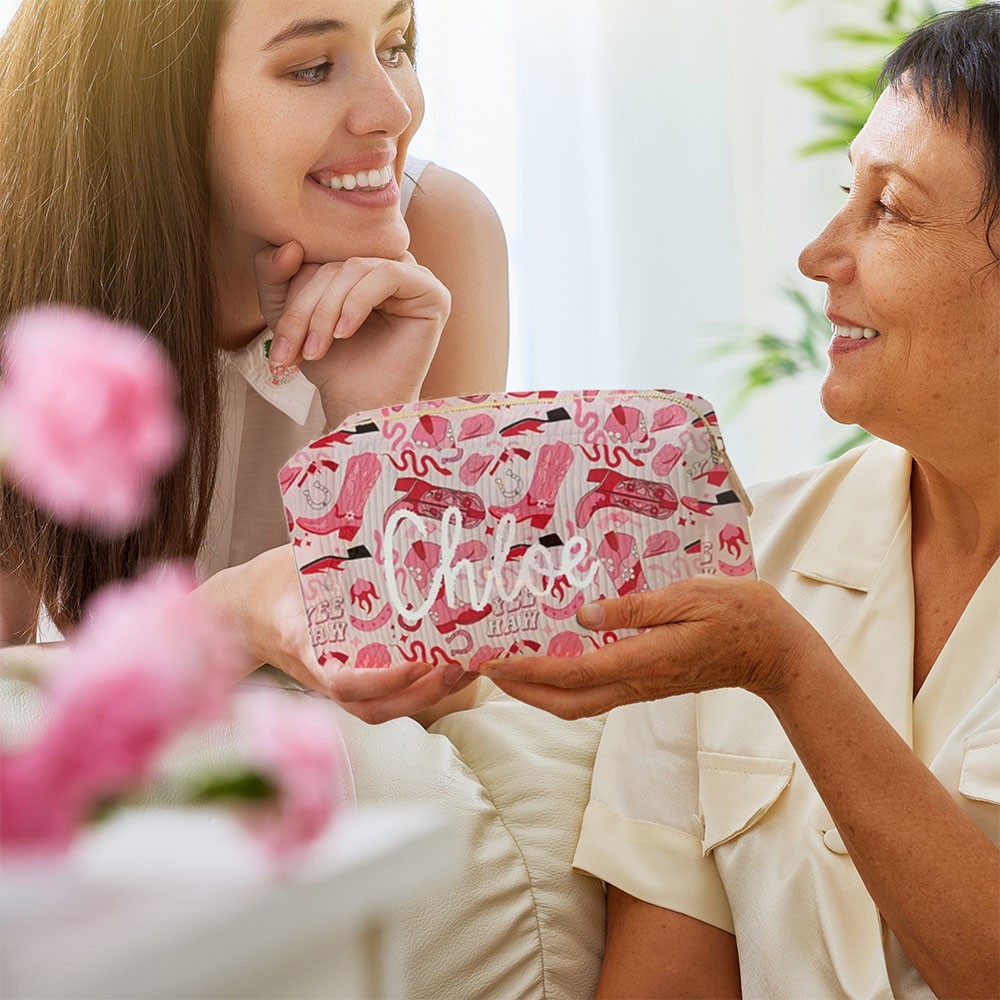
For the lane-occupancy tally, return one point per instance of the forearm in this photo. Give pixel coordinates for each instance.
(231, 595)
(653, 952)
(933, 874)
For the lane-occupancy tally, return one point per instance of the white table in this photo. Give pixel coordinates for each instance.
(178, 904)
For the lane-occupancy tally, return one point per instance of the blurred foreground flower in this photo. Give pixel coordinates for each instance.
(296, 747)
(87, 424)
(87, 416)
(148, 662)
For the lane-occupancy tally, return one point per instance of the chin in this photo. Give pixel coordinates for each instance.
(839, 403)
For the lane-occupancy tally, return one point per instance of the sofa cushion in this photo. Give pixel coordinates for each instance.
(518, 922)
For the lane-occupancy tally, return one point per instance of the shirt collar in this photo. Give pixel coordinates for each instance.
(292, 394)
(877, 492)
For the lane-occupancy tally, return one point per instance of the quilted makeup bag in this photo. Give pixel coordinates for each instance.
(470, 528)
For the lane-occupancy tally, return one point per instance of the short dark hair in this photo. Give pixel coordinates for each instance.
(952, 62)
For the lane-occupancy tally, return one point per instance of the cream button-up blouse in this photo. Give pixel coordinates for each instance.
(698, 802)
(264, 422)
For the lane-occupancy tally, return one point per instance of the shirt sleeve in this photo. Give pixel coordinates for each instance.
(642, 829)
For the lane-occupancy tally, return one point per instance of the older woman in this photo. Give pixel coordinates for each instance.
(817, 811)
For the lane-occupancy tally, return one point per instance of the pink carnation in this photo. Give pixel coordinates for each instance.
(88, 414)
(298, 747)
(149, 661)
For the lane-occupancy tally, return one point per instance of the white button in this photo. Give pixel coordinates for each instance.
(834, 841)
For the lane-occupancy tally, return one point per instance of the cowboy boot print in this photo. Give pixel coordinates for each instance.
(619, 554)
(538, 504)
(640, 496)
(344, 517)
(432, 502)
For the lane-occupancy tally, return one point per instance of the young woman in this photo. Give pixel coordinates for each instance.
(232, 176)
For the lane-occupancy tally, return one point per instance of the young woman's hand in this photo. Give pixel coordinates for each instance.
(702, 633)
(263, 599)
(363, 330)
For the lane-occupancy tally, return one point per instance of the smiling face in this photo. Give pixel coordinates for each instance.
(910, 282)
(313, 106)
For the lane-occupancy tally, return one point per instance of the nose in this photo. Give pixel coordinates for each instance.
(828, 257)
(379, 106)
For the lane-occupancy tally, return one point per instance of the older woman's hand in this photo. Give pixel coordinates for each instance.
(702, 633)
(364, 330)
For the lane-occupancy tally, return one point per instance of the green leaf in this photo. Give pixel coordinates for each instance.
(864, 36)
(833, 143)
(241, 785)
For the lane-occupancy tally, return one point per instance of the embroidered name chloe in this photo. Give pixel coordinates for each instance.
(538, 572)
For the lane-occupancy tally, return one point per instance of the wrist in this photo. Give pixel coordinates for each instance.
(337, 410)
(225, 593)
(800, 687)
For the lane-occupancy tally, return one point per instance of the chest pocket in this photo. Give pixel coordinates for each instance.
(980, 778)
(736, 791)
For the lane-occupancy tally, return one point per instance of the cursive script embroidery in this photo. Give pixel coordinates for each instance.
(536, 572)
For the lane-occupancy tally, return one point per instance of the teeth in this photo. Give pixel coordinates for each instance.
(369, 180)
(854, 332)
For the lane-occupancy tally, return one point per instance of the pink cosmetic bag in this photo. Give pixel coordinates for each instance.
(464, 529)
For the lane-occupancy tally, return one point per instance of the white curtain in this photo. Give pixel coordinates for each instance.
(642, 157)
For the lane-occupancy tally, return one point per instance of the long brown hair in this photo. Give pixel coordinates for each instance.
(104, 203)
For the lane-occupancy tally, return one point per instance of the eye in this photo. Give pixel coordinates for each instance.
(393, 56)
(312, 74)
(887, 211)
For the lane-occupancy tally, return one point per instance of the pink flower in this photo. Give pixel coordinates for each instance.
(89, 419)
(148, 661)
(297, 746)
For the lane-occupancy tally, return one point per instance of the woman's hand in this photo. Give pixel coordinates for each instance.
(364, 330)
(263, 599)
(702, 633)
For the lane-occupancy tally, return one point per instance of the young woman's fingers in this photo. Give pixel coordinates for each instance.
(297, 322)
(350, 684)
(421, 694)
(274, 268)
(400, 288)
(329, 307)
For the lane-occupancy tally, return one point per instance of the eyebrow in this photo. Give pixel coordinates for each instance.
(305, 28)
(887, 166)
